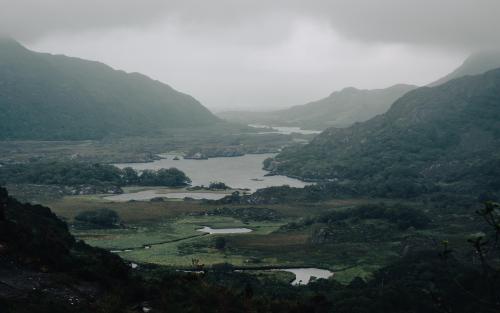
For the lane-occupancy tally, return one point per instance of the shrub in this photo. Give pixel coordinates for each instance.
(100, 217)
(220, 243)
(218, 186)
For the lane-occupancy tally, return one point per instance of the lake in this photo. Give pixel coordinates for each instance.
(285, 130)
(237, 172)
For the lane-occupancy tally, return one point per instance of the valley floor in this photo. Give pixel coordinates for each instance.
(167, 233)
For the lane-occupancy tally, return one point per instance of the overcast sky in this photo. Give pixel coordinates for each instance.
(262, 54)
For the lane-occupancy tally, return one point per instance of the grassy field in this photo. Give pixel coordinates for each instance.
(166, 233)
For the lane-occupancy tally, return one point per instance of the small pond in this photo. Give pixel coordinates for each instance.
(211, 230)
(304, 275)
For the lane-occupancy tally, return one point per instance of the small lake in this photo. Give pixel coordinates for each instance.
(304, 275)
(150, 194)
(237, 172)
(285, 130)
(211, 230)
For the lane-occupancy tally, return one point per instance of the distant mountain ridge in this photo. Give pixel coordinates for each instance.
(340, 109)
(445, 137)
(477, 63)
(44, 96)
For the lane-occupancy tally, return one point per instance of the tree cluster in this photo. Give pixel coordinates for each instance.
(72, 173)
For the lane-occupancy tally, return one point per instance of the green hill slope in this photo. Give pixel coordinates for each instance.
(45, 96)
(440, 138)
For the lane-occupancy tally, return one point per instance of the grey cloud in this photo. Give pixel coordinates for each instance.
(30, 19)
(458, 23)
(455, 23)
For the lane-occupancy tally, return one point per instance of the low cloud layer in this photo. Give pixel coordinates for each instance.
(259, 54)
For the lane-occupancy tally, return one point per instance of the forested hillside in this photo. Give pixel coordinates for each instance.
(440, 138)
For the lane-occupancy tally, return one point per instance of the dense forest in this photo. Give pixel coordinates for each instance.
(72, 173)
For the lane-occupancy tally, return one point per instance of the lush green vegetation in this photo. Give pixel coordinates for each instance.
(61, 173)
(56, 97)
(220, 243)
(244, 213)
(72, 173)
(161, 177)
(344, 236)
(402, 216)
(444, 138)
(287, 194)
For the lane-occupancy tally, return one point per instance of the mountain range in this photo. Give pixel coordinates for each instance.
(340, 109)
(54, 97)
